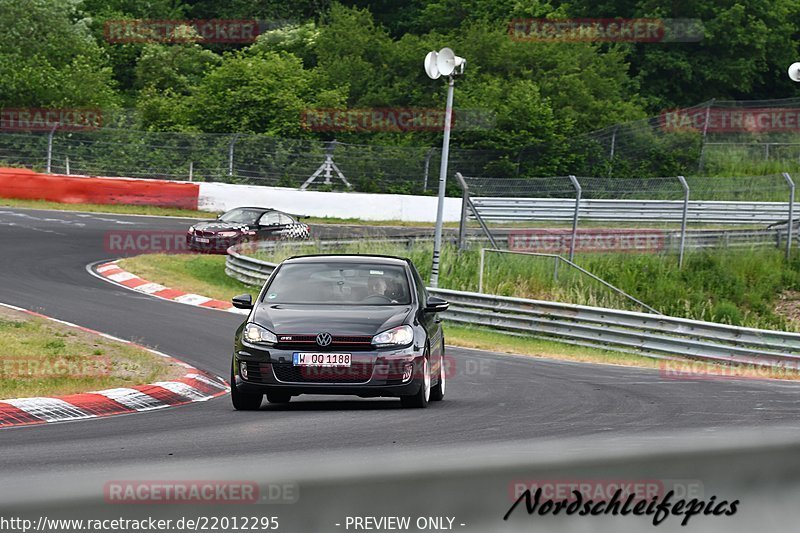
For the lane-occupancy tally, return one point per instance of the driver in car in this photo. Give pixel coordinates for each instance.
(377, 286)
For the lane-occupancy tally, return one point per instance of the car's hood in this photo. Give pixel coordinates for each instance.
(219, 225)
(335, 319)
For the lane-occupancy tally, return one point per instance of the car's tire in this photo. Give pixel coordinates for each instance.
(422, 397)
(278, 397)
(244, 401)
(437, 391)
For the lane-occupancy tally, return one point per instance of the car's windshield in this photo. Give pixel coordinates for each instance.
(339, 283)
(242, 216)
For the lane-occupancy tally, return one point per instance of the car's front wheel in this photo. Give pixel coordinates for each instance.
(423, 396)
(437, 392)
(244, 401)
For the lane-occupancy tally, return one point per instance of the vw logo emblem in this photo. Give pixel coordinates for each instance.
(324, 339)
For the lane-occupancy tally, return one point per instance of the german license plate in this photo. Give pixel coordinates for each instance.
(203, 240)
(320, 359)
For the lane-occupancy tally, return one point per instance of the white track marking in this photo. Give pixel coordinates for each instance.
(191, 299)
(132, 398)
(49, 409)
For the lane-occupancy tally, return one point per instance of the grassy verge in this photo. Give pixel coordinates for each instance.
(199, 274)
(486, 339)
(39, 357)
(121, 209)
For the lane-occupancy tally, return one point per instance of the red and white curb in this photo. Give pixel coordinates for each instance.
(112, 272)
(194, 386)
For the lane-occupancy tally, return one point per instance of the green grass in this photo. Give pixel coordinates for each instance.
(490, 340)
(122, 209)
(749, 160)
(39, 357)
(199, 274)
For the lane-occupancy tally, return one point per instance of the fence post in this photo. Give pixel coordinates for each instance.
(463, 183)
(684, 218)
(50, 146)
(578, 192)
(66, 162)
(462, 224)
(613, 148)
(705, 132)
(230, 154)
(427, 167)
(191, 170)
(790, 181)
(480, 270)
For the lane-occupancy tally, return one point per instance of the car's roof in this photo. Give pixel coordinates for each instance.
(349, 258)
(256, 208)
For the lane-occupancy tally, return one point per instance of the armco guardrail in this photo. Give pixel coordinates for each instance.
(611, 329)
(563, 210)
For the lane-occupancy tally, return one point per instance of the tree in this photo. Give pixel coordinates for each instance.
(258, 92)
(743, 54)
(48, 57)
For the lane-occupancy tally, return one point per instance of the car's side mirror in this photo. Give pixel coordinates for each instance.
(243, 301)
(436, 305)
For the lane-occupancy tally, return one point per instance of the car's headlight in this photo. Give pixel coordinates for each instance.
(399, 336)
(255, 334)
(191, 229)
(228, 233)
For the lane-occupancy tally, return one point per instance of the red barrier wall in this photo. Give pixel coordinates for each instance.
(28, 185)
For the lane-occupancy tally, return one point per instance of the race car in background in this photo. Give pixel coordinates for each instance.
(245, 224)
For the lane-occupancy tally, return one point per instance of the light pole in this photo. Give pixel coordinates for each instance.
(444, 63)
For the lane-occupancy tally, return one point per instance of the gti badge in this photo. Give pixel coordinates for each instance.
(324, 339)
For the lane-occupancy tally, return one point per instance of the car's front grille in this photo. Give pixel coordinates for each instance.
(309, 342)
(356, 373)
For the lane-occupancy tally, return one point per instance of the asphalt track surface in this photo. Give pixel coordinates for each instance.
(491, 397)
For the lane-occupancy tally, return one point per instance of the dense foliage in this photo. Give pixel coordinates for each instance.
(367, 54)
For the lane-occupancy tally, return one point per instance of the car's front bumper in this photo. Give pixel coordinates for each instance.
(215, 245)
(374, 373)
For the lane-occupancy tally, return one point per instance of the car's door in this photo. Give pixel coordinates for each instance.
(269, 225)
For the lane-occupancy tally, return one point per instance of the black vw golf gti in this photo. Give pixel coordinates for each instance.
(340, 324)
